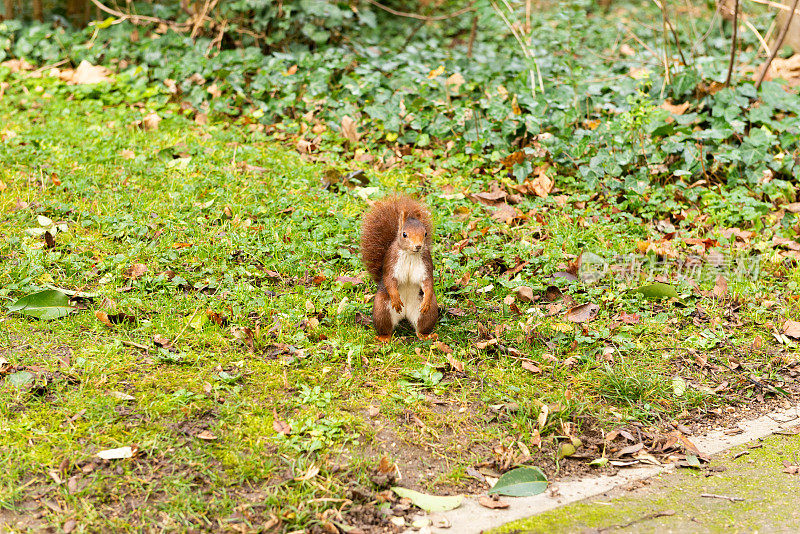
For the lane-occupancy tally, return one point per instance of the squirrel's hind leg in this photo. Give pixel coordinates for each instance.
(381, 316)
(427, 321)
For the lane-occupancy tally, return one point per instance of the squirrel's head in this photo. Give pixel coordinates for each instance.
(411, 234)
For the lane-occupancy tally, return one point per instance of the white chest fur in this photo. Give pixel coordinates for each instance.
(409, 271)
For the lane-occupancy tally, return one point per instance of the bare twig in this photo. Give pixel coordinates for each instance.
(665, 15)
(761, 40)
(776, 5)
(665, 513)
(733, 42)
(708, 32)
(723, 497)
(138, 19)
(470, 7)
(473, 32)
(778, 43)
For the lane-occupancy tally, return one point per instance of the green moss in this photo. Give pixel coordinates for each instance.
(768, 503)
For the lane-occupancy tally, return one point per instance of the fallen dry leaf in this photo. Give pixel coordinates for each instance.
(151, 121)
(530, 366)
(206, 435)
(454, 363)
(542, 184)
(135, 271)
(86, 73)
(583, 313)
(127, 154)
(720, 290)
(386, 465)
(281, 427)
(788, 69)
(118, 453)
(310, 473)
(349, 129)
(791, 329)
(679, 109)
(16, 65)
(524, 293)
(488, 502)
(506, 214)
(103, 318)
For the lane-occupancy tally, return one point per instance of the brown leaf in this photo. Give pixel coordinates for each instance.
(151, 121)
(629, 318)
(443, 347)
(583, 313)
(214, 91)
(281, 427)
(787, 69)
(135, 271)
(86, 73)
(574, 266)
(530, 366)
(524, 293)
(506, 214)
(245, 335)
(206, 435)
(217, 318)
(679, 109)
(162, 341)
(310, 473)
(552, 294)
(454, 363)
(373, 411)
(103, 318)
(201, 119)
(488, 502)
(386, 466)
(542, 184)
(349, 129)
(631, 449)
(791, 329)
(720, 287)
(127, 154)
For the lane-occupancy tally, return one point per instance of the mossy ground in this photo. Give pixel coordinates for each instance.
(768, 499)
(262, 248)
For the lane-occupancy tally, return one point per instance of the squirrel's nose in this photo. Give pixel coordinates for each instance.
(417, 248)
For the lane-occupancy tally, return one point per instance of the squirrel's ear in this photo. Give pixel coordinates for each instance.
(402, 219)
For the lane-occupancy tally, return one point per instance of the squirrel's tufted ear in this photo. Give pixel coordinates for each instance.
(402, 219)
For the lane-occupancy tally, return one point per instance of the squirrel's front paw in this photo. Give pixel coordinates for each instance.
(397, 304)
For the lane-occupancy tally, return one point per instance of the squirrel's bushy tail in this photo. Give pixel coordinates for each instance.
(380, 225)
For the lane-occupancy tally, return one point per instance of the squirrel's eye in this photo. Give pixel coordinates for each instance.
(405, 234)
(426, 234)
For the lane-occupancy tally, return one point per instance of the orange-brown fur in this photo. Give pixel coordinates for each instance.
(396, 242)
(380, 226)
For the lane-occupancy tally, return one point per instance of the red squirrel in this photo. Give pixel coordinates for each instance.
(396, 250)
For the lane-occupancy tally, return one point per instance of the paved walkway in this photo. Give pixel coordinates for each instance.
(751, 492)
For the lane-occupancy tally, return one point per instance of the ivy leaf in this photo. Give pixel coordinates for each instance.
(521, 482)
(45, 305)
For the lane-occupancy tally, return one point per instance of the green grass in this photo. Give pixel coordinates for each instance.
(213, 236)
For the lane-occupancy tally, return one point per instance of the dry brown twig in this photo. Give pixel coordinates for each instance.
(467, 9)
(733, 42)
(778, 43)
